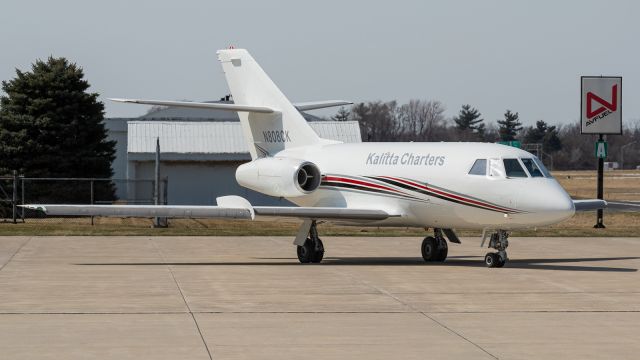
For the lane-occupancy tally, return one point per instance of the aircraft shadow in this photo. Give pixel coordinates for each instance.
(453, 261)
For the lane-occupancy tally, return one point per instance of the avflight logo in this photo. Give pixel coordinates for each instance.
(605, 105)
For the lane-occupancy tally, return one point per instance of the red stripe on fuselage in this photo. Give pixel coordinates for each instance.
(443, 193)
(359, 182)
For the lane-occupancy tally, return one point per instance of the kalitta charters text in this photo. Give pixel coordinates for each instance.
(390, 158)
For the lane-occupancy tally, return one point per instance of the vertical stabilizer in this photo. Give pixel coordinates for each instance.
(266, 134)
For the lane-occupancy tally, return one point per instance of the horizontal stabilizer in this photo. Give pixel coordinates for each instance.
(587, 205)
(312, 105)
(199, 105)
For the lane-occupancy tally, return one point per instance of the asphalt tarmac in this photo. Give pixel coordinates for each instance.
(372, 298)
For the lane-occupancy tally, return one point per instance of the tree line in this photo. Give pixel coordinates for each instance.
(561, 147)
(52, 126)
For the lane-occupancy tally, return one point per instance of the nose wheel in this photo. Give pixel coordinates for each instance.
(500, 242)
(493, 259)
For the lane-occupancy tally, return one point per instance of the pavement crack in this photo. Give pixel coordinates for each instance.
(16, 252)
(418, 311)
(204, 342)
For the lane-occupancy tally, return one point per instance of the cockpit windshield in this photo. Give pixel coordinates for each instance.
(513, 169)
(510, 168)
(542, 167)
(532, 167)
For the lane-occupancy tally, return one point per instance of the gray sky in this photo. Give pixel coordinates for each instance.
(523, 55)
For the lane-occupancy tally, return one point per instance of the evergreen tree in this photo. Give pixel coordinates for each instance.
(535, 135)
(50, 126)
(544, 134)
(342, 115)
(468, 119)
(509, 127)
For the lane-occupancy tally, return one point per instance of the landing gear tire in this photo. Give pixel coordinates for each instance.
(434, 249)
(429, 248)
(310, 252)
(494, 260)
(491, 260)
(318, 252)
(443, 250)
(499, 241)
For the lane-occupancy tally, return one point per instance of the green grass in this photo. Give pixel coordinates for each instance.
(618, 225)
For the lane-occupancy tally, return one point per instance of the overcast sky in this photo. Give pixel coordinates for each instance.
(526, 56)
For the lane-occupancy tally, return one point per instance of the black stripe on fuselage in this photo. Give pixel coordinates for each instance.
(364, 188)
(429, 193)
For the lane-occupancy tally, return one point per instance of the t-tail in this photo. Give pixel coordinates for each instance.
(270, 122)
(267, 132)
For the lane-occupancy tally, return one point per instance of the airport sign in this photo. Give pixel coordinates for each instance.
(601, 105)
(601, 149)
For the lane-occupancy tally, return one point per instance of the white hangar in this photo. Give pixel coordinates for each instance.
(200, 151)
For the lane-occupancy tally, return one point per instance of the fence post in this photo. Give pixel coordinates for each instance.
(22, 190)
(14, 198)
(92, 199)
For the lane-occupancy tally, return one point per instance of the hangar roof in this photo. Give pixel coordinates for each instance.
(219, 137)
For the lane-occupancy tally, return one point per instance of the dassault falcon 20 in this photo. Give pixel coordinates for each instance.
(442, 186)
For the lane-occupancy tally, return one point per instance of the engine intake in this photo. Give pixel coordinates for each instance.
(281, 177)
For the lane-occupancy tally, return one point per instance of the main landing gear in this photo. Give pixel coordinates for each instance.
(312, 251)
(499, 241)
(434, 248)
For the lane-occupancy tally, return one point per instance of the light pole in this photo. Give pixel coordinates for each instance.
(622, 154)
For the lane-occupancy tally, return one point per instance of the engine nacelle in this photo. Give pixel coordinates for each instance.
(281, 177)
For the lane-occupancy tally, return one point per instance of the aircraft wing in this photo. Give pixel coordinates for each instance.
(587, 205)
(229, 207)
(199, 105)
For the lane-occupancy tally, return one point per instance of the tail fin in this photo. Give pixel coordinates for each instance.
(266, 134)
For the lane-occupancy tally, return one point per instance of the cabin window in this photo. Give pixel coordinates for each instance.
(479, 167)
(532, 167)
(513, 168)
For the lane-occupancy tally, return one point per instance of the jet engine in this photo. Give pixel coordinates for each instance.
(281, 177)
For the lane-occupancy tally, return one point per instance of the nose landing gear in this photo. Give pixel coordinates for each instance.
(499, 241)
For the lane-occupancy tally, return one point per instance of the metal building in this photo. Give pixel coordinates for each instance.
(200, 151)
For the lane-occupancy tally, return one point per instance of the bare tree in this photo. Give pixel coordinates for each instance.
(377, 120)
(419, 120)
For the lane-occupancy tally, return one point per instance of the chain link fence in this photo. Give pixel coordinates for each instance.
(17, 190)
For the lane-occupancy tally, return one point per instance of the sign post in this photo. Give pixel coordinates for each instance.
(601, 113)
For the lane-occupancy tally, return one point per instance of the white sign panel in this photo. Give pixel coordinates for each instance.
(601, 105)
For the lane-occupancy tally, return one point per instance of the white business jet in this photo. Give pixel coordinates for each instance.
(443, 186)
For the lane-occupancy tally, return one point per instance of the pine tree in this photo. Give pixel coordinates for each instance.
(535, 135)
(545, 135)
(50, 126)
(342, 115)
(468, 119)
(509, 127)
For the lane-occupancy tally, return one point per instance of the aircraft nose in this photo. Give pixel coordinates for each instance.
(559, 203)
(547, 202)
